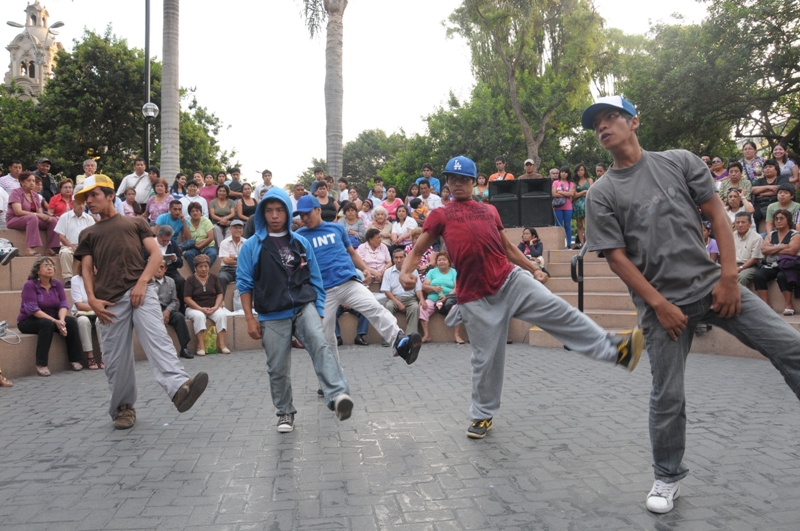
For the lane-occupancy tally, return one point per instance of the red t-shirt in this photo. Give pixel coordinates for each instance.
(471, 232)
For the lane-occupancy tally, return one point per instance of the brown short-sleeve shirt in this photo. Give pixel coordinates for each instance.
(205, 297)
(115, 245)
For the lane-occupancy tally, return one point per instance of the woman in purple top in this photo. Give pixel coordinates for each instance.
(44, 311)
(25, 212)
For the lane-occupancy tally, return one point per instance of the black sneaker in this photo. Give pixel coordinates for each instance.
(407, 347)
(285, 423)
(630, 350)
(320, 393)
(479, 428)
(339, 341)
(68, 284)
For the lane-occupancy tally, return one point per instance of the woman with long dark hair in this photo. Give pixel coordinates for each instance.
(582, 182)
(563, 192)
(788, 167)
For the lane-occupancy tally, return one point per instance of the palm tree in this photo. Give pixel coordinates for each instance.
(316, 11)
(170, 94)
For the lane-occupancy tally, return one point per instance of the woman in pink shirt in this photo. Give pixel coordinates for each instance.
(391, 202)
(375, 254)
(25, 212)
(209, 191)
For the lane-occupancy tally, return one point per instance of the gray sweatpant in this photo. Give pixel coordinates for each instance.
(117, 339)
(524, 298)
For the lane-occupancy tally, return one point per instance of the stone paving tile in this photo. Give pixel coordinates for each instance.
(569, 450)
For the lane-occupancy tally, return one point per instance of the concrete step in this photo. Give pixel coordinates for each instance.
(564, 256)
(592, 284)
(590, 269)
(613, 319)
(599, 300)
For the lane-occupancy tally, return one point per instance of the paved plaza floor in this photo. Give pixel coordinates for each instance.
(569, 449)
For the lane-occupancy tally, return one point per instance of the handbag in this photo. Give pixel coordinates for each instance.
(559, 201)
(444, 307)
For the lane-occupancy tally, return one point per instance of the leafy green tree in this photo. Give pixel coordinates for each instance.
(20, 136)
(198, 143)
(541, 55)
(92, 106)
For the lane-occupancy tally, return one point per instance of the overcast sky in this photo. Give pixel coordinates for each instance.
(255, 67)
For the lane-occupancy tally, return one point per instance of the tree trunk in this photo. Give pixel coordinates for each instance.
(170, 94)
(334, 85)
(531, 144)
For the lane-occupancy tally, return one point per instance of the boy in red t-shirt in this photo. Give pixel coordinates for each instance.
(497, 282)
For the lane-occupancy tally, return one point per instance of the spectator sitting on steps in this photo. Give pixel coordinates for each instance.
(783, 241)
(748, 248)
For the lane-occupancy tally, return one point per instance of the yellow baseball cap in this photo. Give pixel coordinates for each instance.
(91, 183)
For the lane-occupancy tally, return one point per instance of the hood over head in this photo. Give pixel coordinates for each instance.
(271, 195)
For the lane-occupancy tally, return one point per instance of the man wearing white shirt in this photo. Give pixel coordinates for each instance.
(297, 192)
(193, 197)
(139, 181)
(229, 253)
(69, 228)
(266, 185)
(10, 182)
(399, 299)
(344, 191)
(433, 200)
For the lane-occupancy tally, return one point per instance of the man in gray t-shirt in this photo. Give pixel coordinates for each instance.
(643, 216)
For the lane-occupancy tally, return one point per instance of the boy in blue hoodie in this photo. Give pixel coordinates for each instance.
(278, 275)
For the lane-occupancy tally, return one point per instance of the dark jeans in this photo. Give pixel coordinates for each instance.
(45, 328)
(362, 328)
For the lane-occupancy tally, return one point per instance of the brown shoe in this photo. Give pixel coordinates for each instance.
(190, 391)
(126, 418)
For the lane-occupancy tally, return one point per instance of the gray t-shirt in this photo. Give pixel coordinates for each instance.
(650, 210)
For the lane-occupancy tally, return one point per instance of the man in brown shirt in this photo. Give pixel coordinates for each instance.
(123, 297)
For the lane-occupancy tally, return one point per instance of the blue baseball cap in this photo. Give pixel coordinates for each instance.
(305, 204)
(606, 102)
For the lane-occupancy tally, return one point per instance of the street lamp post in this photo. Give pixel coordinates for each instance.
(149, 111)
(38, 55)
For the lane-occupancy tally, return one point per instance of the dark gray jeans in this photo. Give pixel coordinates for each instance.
(758, 327)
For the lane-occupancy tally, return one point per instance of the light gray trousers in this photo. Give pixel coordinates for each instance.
(357, 296)
(117, 339)
(524, 298)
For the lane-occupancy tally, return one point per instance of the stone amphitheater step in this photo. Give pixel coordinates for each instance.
(599, 300)
(564, 256)
(609, 284)
(590, 269)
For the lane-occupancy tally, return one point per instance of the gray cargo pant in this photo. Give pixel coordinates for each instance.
(117, 339)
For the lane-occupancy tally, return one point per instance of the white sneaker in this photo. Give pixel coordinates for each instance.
(661, 496)
(343, 406)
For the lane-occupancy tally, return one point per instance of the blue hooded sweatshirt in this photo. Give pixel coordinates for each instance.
(251, 250)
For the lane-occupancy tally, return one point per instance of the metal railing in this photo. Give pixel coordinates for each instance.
(576, 270)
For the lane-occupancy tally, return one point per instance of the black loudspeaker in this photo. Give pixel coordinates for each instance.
(504, 196)
(503, 189)
(536, 203)
(508, 208)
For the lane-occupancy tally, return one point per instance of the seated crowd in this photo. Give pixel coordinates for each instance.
(200, 220)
